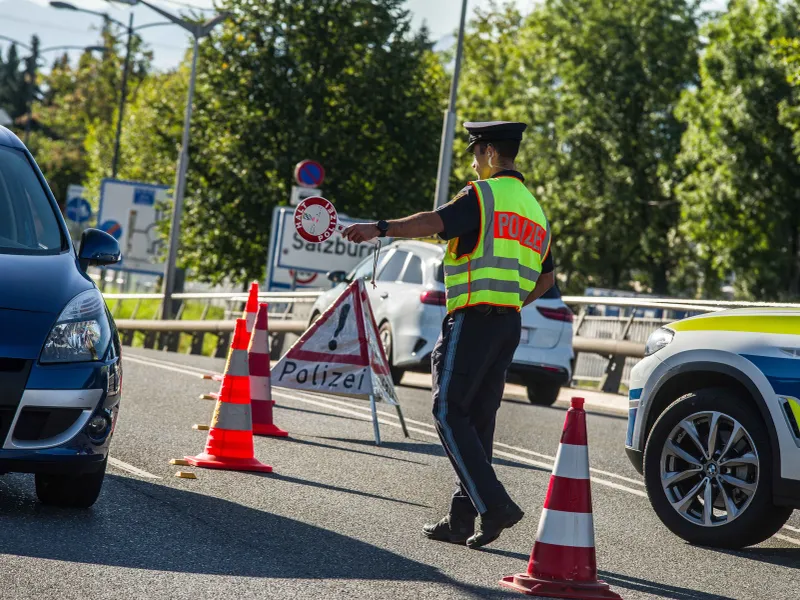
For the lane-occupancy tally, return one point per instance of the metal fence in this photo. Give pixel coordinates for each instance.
(591, 366)
(596, 358)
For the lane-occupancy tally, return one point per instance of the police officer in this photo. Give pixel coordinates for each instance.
(497, 261)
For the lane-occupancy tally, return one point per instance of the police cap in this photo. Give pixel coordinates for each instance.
(494, 131)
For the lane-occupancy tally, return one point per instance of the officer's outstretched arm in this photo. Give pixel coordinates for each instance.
(420, 225)
(545, 282)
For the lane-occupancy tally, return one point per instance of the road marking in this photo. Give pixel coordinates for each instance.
(431, 427)
(307, 398)
(115, 462)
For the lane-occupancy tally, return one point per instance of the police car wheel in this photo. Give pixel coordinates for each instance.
(70, 491)
(385, 333)
(708, 471)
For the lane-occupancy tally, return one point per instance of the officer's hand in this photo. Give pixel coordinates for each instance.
(361, 232)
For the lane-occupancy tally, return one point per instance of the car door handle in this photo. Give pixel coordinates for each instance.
(384, 295)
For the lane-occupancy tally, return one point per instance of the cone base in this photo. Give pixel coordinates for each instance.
(210, 461)
(533, 586)
(270, 430)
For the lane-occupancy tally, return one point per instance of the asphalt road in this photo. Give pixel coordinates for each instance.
(339, 518)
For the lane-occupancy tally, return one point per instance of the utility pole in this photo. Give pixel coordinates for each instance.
(122, 98)
(197, 31)
(449, 127)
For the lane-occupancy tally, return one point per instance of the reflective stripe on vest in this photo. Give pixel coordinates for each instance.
(505, 264)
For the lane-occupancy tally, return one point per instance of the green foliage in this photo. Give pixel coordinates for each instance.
(597, 81)
(741, 199)
(77, 103)
(344, 82)
(151, 131)
(18, 87)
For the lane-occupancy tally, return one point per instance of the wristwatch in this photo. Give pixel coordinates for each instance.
(383, 227)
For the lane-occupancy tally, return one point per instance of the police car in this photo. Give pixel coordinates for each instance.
(714, 424)
(60, 373)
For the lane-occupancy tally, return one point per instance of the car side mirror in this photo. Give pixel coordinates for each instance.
(98, 248)
(337, 276)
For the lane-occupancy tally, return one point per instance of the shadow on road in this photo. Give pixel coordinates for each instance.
(431, 450)
(656, 589)
(323, 414)
(334, 488)
(308, 442)
(142, 525)
(783, 557)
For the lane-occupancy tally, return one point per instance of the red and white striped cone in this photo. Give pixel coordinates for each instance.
(230, 437)
(251, 308)
(249, 315)
(260, 387)
(563, 563)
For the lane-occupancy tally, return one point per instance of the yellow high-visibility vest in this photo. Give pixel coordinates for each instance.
(506, 262)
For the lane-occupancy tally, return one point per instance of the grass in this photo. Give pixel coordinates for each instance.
(149, 309)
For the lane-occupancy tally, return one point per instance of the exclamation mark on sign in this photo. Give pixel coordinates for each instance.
(342, 320)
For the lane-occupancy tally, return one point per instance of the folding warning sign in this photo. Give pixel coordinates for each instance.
(341, 354)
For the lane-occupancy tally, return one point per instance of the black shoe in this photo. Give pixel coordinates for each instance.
(454, 531)
(493, 522)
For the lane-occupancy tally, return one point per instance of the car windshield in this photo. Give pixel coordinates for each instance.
(28, 224)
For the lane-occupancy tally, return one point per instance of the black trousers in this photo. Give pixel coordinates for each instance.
(469, 364)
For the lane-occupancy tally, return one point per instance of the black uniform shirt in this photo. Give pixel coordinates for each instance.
(462, 219)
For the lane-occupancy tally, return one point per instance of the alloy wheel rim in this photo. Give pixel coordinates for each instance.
(709, 468)
(386, 340)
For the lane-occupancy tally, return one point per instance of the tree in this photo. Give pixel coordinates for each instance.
(597, 82)
(18, 85)
(151, 132)
(345, 82)
(741, 198)
(79, 102)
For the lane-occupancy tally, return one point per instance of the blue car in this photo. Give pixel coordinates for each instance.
(60, 371)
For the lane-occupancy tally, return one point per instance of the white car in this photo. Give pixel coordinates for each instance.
(409, 306)
(713, 424)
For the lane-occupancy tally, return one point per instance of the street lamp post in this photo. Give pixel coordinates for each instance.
(197, 31)
(122, 97)
(124, 86)
(449, 126)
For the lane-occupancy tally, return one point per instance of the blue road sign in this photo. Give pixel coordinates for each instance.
(309, 173)
(112, 228)
(79, 210)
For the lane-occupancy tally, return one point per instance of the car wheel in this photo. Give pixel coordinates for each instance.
(708, 471)
(385, 331)
(314, 316)
(70, 491)
(543, 393)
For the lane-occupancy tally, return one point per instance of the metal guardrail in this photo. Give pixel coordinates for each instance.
(606, 348)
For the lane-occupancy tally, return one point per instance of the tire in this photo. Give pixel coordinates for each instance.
(315, 315)
(70, 491)
(756, 518)
(385, 333)
(543, 393)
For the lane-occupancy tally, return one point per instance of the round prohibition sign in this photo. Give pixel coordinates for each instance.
(309, 173)
(315, 219)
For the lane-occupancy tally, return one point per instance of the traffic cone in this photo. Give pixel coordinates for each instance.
(230, 437)
(251, 308)
(249, 315)
(260, 388)
(562, 563)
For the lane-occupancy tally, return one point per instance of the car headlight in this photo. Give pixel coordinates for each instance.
(657, 340)
(81, 333)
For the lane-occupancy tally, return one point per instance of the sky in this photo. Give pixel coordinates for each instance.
(19, 19)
